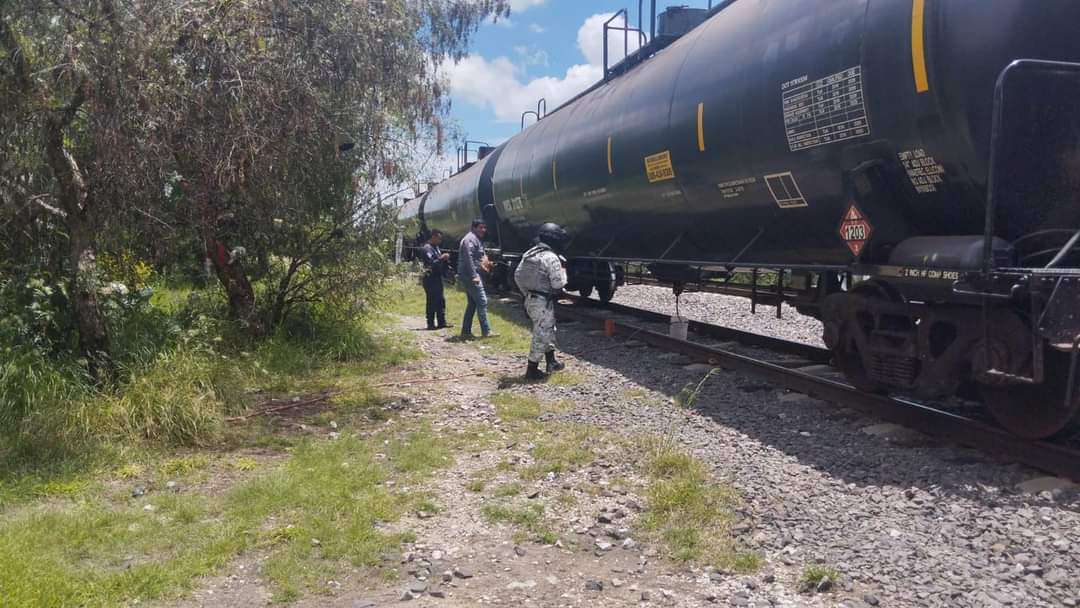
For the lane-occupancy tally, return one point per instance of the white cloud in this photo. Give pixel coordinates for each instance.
(536, 28)
(590, 39)
(530, 55)
(498, 83)
(524, 5)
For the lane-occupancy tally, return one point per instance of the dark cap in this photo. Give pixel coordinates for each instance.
(478, 222)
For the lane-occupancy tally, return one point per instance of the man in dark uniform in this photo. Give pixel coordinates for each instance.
(435, 263)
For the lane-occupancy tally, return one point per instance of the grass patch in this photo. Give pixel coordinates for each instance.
(529, 519)
(512, 407)
(130, 470)
(691, 513)
(407, 298)
(177, 383)
(245, 464)
(566, 500)
(476, 485)
(427, 505)
(813, 574)
(560, 449)
(326, 502)
(420, 452)
(528, 516)
(565, 378)
(508, 490)
(184, 466)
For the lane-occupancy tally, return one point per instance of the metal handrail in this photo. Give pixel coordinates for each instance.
(625, 29)
(526, 113)
(542, 102)
(995, 145)
(465, 158)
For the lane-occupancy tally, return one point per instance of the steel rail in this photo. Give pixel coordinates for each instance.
(1049, 457)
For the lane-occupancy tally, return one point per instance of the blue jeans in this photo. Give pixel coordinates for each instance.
(478, 305)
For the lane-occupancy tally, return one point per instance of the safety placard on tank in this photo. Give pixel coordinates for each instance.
(658, 167)
(825, 111)
(925, 173)
(855, 230)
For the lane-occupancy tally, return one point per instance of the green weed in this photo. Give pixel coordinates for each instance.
(245, 464)
(419, 452)
(691, 513)
(529, 516)
(184, 465)
(565, 378)
(508, 490)
(512, 407)
(813, 574)
(560, 449)
(326, 502)
(688, 396)
(130, 471)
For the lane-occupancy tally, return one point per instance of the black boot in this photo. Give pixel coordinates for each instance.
(552, 364)
(534, 373)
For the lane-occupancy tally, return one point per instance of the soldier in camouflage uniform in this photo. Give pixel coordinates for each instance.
(540, 277)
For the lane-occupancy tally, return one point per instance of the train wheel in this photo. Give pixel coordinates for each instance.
(849, 360)
(585, 291)
(1035, 411)
(855, 329)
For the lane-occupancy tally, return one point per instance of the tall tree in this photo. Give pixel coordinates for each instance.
(126, 117)
(254, 100)
(60, 62)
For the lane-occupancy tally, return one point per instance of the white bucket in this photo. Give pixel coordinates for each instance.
(679, 326)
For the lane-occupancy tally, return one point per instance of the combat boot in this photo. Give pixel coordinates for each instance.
(552, 364)
(534, 373)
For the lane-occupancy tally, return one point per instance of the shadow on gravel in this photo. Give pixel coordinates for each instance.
(827, 437)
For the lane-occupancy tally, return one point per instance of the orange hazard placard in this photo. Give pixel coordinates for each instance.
(855, 230)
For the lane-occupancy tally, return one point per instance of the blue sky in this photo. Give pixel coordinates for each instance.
(547, 48)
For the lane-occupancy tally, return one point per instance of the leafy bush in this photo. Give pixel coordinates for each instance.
(40, 403)
(34, 313)
(182, 398)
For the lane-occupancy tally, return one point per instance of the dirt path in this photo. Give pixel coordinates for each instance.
(565, 538)
(543, 502)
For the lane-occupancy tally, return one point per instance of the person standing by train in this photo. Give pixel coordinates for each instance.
(471, 262)
(541, 277)
(435, 265)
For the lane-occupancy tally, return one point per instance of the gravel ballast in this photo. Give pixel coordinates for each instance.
(728, 311)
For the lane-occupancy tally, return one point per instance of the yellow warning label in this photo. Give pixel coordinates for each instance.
(658, 167)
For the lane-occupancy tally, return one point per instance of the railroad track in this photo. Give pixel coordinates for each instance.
(1053, 458)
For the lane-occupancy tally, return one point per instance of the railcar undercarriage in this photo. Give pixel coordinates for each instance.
(926, 333)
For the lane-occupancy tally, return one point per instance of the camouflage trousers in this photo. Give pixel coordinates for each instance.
(542, 313)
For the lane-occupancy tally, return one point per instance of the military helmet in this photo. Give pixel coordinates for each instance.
(552, 235)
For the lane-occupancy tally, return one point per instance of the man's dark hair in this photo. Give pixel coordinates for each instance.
(434, 233)
(478, 222)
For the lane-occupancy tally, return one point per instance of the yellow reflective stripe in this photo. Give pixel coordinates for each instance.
(701, 127)
(918, 45)
(610, 167)
(554, 176)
